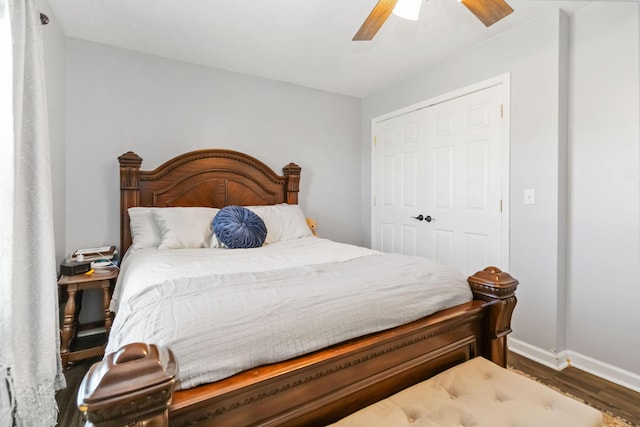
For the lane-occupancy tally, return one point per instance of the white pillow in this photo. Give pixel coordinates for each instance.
(144, 231)
(184, 227)
(283, 221)
(214, 242)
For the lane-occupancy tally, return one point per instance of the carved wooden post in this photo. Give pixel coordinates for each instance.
(497, 287)
(108, 396)
(292, 172)
(129, 194)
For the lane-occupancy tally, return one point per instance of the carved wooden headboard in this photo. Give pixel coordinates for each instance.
(208, 178)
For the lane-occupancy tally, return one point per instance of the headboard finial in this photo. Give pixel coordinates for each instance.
(291, 169)
(130, 159)
(292, 172)
(129, 194)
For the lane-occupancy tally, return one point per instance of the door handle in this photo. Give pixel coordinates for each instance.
(421, 217)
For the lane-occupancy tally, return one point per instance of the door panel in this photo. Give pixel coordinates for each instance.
(443, 158)
(409, 239)
(388, 177)
(386, 237)
(409, 184)
(477, 251)
(398, 187)
(476, 174)
(443, 246)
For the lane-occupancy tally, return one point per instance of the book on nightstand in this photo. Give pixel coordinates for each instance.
(94, 254)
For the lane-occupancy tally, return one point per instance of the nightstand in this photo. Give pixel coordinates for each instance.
(71, 285)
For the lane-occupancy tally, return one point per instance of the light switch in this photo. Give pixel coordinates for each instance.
(529, 196)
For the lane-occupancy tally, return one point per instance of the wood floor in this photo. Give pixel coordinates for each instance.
(69, 415)
(599, 393)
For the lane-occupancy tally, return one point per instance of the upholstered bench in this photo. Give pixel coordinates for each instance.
(476, 393)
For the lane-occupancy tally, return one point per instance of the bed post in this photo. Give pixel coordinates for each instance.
(108, 397)
(498, 288)
(292, 172)
(129, 194)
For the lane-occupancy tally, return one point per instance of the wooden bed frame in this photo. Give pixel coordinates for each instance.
(134, 386)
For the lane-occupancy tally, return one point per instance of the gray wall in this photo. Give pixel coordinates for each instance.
(604, 176)
(574, 139)
(54, 60)
(119, 100)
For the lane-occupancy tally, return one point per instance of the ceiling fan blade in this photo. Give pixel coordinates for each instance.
(488, 11)
(376, 18)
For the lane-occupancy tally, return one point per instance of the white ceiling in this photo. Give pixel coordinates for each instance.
(305, 42)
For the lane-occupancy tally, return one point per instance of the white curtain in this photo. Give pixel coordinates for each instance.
(30, 369)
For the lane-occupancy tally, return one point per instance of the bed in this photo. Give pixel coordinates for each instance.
(140, 381)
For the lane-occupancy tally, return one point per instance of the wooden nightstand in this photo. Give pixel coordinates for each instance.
(72, 285)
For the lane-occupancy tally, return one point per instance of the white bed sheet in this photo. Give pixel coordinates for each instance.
(148, 266)
(270, 304)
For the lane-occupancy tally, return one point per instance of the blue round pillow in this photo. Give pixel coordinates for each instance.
(238, 227)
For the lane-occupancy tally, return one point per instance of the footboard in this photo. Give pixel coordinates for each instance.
(133, 386)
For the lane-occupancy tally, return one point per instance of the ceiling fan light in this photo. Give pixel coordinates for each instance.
(408, 9)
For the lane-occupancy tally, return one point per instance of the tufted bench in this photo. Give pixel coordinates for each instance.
(476, 393)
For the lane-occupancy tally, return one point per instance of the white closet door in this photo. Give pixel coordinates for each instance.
(438, 180)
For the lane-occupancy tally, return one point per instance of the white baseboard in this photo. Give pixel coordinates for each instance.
(557, 361)
(604, 370)
(561, 360)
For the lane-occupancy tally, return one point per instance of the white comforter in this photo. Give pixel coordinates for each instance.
(270, 304)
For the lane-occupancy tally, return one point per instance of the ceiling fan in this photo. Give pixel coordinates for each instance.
(487, 11)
